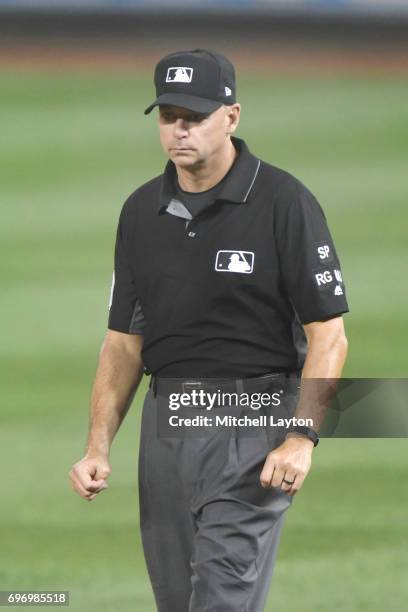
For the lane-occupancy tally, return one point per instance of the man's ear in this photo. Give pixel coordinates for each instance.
(233, 115)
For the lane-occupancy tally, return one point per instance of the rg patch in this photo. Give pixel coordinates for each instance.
(324, 279)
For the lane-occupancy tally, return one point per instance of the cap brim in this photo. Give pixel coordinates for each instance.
(193, 103)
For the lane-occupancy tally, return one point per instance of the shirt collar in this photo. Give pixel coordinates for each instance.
(236, 187)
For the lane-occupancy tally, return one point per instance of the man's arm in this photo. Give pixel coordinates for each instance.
(327, 350)
(118, 375)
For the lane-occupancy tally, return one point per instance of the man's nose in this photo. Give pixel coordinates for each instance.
(180, 127)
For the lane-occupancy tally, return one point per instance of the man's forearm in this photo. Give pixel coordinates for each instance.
(118, 375)
(288, 465)
(323, 367)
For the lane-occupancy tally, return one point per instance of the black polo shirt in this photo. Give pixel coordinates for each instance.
(223, 293)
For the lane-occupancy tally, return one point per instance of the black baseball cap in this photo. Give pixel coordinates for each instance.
(199, 80)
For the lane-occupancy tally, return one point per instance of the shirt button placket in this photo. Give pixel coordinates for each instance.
(191, 232)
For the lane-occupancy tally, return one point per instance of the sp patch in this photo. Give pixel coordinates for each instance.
(324, 252)
(235, 261)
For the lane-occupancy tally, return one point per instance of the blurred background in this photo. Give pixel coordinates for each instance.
(323, 85)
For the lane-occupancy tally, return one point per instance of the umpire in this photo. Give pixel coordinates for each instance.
(226, 278)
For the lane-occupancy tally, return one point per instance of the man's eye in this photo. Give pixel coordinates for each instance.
(193, 118)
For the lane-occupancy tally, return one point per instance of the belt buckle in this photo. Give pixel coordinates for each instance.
(187, 387)
(190, 386)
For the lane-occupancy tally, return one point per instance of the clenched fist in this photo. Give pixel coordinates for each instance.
(88, 476)
(288, 465)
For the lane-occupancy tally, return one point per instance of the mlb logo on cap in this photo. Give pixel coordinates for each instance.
(179, 74)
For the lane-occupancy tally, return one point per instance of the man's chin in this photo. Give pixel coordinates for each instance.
(184, 159)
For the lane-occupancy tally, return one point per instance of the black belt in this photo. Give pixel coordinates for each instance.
(165, 386)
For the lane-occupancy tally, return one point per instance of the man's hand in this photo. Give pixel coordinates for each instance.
(88, 476)
(119, 372)
(290, 462)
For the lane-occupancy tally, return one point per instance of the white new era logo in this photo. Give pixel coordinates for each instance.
(235, 261)
(228, 91)
(179, 74)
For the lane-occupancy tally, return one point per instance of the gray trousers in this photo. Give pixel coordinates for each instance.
(210, 531)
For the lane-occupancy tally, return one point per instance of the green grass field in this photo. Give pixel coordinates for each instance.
(71, 149)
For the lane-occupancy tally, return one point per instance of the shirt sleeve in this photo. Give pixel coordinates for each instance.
(310, 268)
(125, 313)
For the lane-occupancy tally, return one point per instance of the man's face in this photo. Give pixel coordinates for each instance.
(190, 139)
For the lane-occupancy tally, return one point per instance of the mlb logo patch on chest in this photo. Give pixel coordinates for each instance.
(235, 261)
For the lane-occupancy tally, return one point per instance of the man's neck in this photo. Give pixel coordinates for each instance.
(205, 177)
